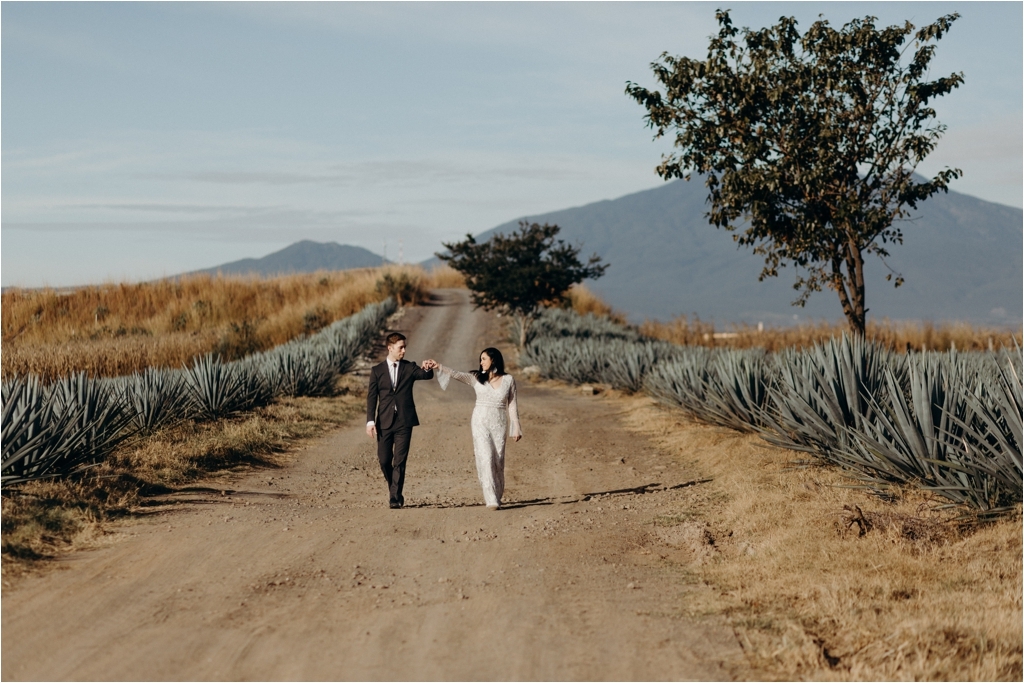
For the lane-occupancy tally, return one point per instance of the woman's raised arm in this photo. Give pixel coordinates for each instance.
(445, 375)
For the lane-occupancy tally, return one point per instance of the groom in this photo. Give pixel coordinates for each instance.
(391, 413)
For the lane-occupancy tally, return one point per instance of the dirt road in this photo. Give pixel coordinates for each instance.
(304, 572)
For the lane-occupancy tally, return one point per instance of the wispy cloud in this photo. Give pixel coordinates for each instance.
(136, 215)
(175, 208)
(253, 178)
(404, 173)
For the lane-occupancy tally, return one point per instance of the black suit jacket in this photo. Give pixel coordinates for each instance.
(391, 406)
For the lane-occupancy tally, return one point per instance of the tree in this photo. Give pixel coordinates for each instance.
(518, 274)
(808, 144)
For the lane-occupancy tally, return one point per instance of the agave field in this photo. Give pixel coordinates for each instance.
(57, 429)
(947, 422)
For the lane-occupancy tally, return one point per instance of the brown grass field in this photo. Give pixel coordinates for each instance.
(823, 581)
(901, 336)
(117, 329)
(898, 335)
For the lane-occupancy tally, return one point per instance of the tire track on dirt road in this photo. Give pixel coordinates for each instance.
(315, 578)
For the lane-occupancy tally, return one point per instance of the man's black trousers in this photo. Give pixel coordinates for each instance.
(392, 450)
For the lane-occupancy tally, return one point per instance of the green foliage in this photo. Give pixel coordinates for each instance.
(217, 389)
(826, 392)
(727, 387)
(55, 430)
(808, 143)
(518, 273)
(36, 430)
(950, 423)
(155, 397)
(620, 363)
(954, 430)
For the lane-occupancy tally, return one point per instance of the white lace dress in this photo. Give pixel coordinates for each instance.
(495, 414)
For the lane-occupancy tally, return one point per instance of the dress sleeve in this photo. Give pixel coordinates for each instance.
(445, 375)
(513, 410)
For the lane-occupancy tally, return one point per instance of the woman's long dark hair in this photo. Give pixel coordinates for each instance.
(497, 365)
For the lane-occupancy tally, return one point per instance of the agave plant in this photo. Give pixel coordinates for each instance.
(553, 323)
(727, 387)
(300, 370)
(586, 348)
(737, 389)
(217, 389)
(35, 435)
(824, 393)
(52, 431)
(630, 362)
(948, 433)
(562, 359)
(102, 417)
(682, 381)
(997, 432)
(155, 397)
(255, 388)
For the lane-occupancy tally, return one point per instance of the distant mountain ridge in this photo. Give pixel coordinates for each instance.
(961, 257)
(302, 257)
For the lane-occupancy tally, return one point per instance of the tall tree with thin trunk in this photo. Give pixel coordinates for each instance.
(808, 143)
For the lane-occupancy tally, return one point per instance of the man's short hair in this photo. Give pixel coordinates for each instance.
(394, 338)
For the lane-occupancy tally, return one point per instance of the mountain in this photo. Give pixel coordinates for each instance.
(961, 258)
(302, 257)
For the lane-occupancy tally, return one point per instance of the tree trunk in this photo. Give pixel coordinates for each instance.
(524, 328)
(855, 273)
(850, 286)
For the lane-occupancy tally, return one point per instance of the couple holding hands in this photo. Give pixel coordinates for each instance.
(391, 415)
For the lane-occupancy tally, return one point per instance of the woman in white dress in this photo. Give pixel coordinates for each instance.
(496, 414)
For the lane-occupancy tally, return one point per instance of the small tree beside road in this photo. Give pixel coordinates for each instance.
(808, 143)
(518, 273)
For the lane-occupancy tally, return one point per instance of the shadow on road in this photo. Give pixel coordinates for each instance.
(654, 487)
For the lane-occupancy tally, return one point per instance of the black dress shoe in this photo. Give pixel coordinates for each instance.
(394, 506)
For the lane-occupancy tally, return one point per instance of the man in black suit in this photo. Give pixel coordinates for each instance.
(391, 413)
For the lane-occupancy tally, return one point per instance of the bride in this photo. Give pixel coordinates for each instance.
(495, 414)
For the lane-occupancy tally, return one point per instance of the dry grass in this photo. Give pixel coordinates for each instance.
(902, 336)
(583, 301)
(110, 330)
(44, 518)
(444, 277)
(822, 581)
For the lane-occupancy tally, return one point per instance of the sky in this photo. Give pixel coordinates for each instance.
(139, 140)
